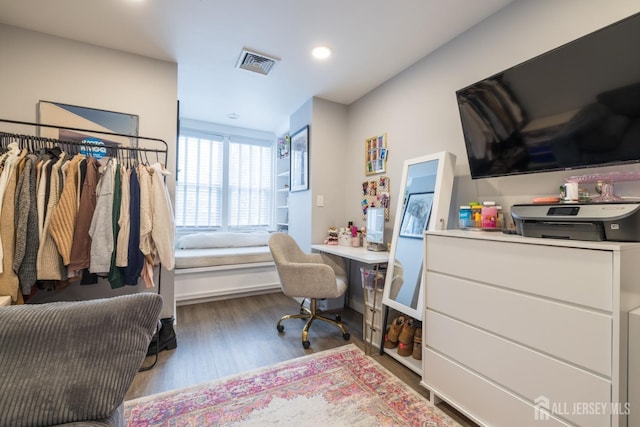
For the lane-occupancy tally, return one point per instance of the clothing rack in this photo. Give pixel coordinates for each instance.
(134, 153)
(112, 151)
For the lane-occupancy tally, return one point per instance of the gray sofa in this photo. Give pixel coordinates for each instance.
(71, 363)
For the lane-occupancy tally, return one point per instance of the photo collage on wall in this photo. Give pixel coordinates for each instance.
(375, 193)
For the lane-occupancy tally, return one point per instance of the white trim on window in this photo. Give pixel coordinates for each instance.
(204, 196)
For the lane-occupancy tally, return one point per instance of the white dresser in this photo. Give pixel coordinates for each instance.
(529, 332)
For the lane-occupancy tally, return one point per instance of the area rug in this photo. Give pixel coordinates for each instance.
(338, 387)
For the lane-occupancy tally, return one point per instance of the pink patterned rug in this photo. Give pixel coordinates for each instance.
(339, 387)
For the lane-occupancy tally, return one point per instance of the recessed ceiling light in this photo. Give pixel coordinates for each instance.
(321, 52)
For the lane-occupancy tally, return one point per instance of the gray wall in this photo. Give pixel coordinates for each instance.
(327, 163)
(300, 201)
(418, 110)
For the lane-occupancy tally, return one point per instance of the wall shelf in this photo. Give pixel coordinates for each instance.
(414, 364)
(282, 194)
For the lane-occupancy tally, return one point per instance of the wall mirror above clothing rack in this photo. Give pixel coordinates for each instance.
(425, 187)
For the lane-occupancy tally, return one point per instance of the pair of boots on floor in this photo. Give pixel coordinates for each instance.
(164, 338)
(406, 334)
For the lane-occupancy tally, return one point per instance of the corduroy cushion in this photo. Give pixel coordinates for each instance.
(69, 362)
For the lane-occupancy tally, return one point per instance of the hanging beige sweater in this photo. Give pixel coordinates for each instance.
(122, 246)
(163, 223)
(146, 213)
(49, 264)
(9, 283)
(7, 167)
(63, 219)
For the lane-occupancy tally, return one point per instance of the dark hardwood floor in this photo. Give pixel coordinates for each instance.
(222, 338)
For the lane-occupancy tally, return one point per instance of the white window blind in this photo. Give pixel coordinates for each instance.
(223, 182)
(250, 185)
(199, 183)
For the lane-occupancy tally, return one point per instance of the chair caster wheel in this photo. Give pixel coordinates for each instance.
(280, 328)
(338, 318)
(346, 336)
(306, 344)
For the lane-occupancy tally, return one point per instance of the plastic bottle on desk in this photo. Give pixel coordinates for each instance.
(476, 215)
(500, 219)
(464, 217)
(489, 214)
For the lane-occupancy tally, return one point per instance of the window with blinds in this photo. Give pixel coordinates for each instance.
(223, 182)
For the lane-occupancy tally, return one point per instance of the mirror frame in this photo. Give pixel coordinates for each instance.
(437, 220)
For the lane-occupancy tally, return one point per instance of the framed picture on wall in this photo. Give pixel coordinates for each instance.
(299, 156)
(416, 215)
(283, 147)
(75, 117)
(375, 154)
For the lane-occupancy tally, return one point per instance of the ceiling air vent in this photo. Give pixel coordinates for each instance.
(256, 62)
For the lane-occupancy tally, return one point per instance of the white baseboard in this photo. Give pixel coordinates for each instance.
(199, 285)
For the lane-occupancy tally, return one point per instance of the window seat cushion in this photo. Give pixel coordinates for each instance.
(212, 257)
(221, 239)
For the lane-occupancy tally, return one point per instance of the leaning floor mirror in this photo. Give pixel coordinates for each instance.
(425, 198)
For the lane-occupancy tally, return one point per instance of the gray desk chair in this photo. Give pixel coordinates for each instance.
(313, 276)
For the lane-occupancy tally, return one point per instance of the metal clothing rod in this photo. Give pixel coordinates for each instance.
(77, 143)
(146, 138)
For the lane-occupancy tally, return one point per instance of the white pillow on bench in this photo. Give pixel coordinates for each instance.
(222, 240)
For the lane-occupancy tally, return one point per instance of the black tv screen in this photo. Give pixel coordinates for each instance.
(576, 106)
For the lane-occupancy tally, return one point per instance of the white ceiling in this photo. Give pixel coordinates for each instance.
(372, 40)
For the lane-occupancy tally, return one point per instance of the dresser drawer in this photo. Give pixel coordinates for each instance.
(580, 276)
(574, 334)
(483, 401)
(526, 372)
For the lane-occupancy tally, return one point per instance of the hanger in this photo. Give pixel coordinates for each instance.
(54, 152)
(50, 148)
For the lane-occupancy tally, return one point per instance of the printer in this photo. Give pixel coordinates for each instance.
(615, 221)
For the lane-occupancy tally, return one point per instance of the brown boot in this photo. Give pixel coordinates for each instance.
(417, 344)
(391, 338)
(405, 348)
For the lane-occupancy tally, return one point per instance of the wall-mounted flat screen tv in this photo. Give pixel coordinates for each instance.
(576, 106)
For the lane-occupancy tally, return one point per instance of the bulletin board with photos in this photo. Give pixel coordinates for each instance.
(375, 193)
(375, 155)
